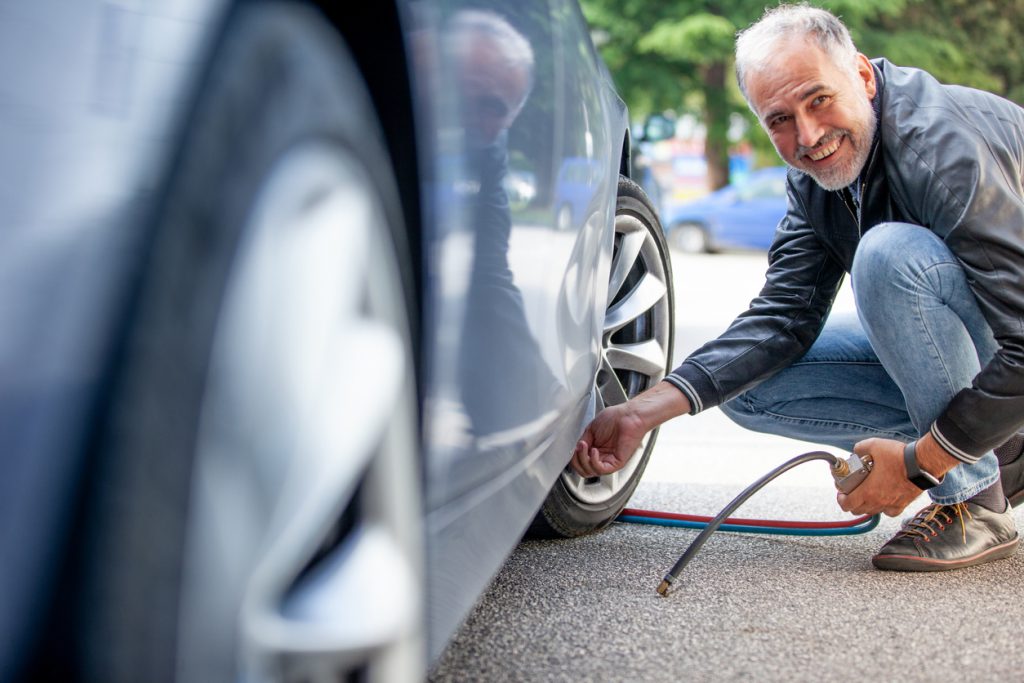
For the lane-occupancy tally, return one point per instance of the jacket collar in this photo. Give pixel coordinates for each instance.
(876, 107)
(854, 194)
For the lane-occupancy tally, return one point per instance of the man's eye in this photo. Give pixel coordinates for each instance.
(777, 121)
(819, 100)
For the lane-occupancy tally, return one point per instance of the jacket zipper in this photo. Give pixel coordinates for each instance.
(848, 203)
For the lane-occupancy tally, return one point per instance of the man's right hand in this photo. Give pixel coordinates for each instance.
(609, 441)
(616, 433)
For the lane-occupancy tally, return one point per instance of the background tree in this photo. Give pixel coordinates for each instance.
(678, 56)
(978, 43)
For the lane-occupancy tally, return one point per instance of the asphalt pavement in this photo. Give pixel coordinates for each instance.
(748, 607)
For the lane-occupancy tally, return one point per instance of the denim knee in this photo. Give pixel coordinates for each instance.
(875, 249)
(896, 248)
(892, 259)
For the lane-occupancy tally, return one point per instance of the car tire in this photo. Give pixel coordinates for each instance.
(691, 238)
(636, 353)
(238, 473)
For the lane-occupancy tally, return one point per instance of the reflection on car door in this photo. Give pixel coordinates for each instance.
(513, 308)
(511, 335)
(488, 380)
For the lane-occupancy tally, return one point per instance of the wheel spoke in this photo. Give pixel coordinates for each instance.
(611, 389)
(648, 292)
(625, 260)
(647, 358)
(611, 482)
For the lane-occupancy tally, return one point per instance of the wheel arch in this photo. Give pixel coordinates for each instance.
(625, 164)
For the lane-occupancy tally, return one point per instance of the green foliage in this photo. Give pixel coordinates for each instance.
(977, 43)
(699, 39)
(856, 13)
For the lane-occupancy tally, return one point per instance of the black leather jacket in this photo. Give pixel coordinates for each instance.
(945, 157)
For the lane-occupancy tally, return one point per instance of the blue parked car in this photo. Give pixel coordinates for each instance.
(574, 191)
(742, 216)
(294, 347)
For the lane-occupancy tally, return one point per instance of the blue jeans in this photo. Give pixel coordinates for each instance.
(917, 339)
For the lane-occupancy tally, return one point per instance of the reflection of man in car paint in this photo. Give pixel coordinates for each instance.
(502, 373)
(494, 72)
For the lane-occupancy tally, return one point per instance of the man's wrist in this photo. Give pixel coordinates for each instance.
(920, 478)
(933, 458)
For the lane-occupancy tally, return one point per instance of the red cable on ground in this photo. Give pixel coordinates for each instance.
(779, 524)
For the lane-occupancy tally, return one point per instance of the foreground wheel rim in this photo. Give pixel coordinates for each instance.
(634, 342)
(292, 466)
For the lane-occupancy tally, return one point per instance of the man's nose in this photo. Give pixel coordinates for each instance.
(808, 130)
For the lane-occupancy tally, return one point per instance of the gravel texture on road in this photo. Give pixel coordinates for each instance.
(748, 607)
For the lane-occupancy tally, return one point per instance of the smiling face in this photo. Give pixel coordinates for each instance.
(817, 114)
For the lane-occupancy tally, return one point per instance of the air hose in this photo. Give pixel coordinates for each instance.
(847, 474)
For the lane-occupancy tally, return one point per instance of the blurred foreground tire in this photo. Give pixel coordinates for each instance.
(253, 508)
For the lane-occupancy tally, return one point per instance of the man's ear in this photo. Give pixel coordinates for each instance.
(866, 74)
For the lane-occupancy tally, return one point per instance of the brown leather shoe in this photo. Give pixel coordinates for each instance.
(941, 537)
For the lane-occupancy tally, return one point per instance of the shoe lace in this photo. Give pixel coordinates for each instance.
(935, 518)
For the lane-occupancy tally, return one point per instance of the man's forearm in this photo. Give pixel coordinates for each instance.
(659, 404)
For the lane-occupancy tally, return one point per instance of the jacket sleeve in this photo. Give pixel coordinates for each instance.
(969, 193)
(778, 327)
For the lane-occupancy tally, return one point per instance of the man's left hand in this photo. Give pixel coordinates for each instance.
(886, 489)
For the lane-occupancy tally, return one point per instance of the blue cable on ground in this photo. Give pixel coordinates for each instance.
(750, 529)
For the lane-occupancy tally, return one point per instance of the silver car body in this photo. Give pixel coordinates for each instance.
(93, 94)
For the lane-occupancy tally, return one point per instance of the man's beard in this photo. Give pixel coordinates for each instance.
(841, 175)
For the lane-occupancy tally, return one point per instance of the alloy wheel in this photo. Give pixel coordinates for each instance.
(635, 340)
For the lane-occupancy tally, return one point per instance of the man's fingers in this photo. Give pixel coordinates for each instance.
(597, 466)
(864, 447)
(863, 508)
(579, 458)
(580, 451)
(588, 463)
(600, 464)
(851, 506)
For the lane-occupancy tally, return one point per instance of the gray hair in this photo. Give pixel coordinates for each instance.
(756, 44)
(471, 24)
